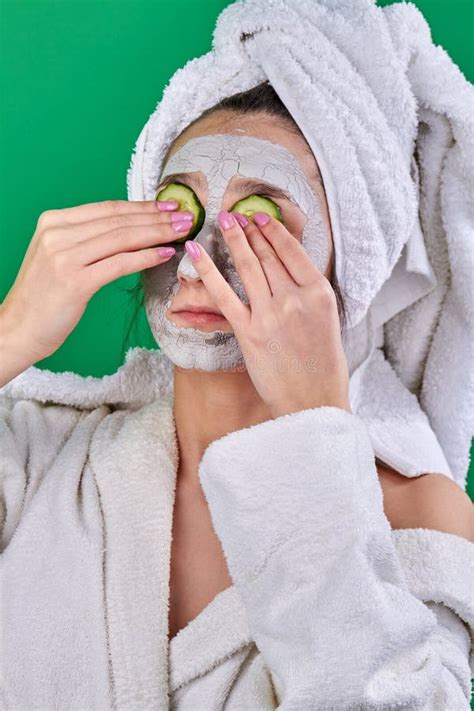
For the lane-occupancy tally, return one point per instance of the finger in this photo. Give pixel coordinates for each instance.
(292, 254)
(246, 262)
(221, 292)
(106, 270)
(123, 239)
(94, 210)
(276, 273)
(92, 228)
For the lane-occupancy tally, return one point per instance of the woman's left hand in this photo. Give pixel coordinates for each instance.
(289, 333)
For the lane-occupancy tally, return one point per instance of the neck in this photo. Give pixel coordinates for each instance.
(209, 405)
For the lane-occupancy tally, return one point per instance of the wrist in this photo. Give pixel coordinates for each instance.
(290, 407)
(14, 358)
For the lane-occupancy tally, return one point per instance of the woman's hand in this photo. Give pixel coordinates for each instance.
(289, 333)
(73, 253)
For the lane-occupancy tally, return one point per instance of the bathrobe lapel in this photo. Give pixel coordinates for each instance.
(220, 630)
(134, 457)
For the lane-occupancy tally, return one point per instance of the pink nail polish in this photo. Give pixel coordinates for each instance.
(241, 219)
(181, 216)
(166, 251)
(226, 219)
(261, 218)
(183, 226)
(166, 204)
(192, 249)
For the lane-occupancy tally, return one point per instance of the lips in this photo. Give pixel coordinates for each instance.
(197, 309)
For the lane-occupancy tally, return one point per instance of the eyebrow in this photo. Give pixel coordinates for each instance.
(242, 186)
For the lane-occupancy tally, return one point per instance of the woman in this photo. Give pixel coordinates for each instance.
(236, 545)
(288, 528)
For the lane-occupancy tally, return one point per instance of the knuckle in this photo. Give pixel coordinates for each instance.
(324, 293)
(205, 266)
(266, 257)
(46, 219)
(50, 240)
(292, 303)
(246, 263)
(116, 221)
(112, 206)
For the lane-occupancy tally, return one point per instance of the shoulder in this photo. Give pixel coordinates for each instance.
(427, 501)
(145, 376)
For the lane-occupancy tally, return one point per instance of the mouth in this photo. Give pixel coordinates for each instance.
(197, 309)
(198, 314)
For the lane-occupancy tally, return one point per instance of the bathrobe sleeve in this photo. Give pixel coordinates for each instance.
(346, 613)
(32, 435)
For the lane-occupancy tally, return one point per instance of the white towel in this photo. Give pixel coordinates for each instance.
(389, 118)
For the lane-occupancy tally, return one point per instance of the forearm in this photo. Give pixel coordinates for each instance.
(298, 507)
(14, 358)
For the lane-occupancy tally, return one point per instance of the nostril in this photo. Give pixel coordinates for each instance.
(187, 273)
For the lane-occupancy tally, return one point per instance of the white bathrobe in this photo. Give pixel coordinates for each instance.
(329, 608)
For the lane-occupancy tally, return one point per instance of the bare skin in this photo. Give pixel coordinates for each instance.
(208, 405)
(198, 567)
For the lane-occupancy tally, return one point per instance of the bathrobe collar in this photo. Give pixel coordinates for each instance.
(135, 460)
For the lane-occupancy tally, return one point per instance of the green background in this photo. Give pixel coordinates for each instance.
(79, 78)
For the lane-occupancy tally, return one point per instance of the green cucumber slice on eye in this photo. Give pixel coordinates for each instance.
(187, 202)
(257, 203)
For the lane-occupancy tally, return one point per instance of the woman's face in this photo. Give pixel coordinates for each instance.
(222, 158)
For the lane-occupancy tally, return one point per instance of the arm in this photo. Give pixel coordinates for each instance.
(32, 434)
(298, 507)
(426, 501)
(14, 357)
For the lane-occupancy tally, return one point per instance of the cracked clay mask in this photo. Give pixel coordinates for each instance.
(220, 157)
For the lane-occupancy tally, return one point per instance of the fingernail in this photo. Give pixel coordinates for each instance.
(181, 216)
(166, 251)
(166, 204)
(181, 226)
(226, 220)
(192, 249)
(261, 218)
(241, 219)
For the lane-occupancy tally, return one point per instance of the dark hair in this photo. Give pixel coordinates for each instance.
(261, 99)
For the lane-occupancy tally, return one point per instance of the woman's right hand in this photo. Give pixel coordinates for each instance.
(72, 254)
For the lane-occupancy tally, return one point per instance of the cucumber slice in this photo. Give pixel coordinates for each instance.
(187, 202)
(258, 203)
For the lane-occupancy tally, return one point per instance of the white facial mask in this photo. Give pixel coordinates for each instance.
(221, 157)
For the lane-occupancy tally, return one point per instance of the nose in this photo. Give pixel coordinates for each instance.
(186, 272)
(185, 278)
(212, 242)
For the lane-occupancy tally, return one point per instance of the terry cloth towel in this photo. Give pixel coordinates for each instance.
(330, 608)
(389, 118)
(147, 375)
